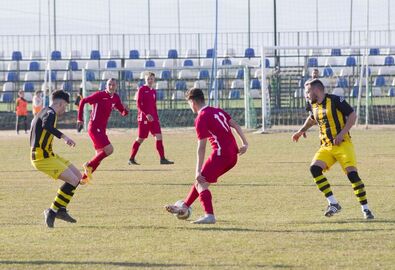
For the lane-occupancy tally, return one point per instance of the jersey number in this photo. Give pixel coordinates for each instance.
(222, 121)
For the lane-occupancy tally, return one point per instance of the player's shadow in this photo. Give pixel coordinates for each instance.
(92, 263)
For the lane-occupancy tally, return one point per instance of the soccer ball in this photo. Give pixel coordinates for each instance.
(180, 204)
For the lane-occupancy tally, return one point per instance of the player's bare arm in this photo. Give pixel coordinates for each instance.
(351, 119)
(201, 151)
(68, 140)
(302, 131)
(243, 148)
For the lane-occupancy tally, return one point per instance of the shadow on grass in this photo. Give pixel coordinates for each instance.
(350, 221)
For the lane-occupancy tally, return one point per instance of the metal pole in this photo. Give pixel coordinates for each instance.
(316, 21)
(275, 33)
(109, 25)
(179, 26)
(39, 25)
(389, 24)
(249, 24)
(351, 9)
(367, 68)
(263, 88)
(215, 53)
(49, 54)
(54, 24)
(149, 25)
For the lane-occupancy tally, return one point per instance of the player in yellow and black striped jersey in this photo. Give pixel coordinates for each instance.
(335, 117)
(42, 132)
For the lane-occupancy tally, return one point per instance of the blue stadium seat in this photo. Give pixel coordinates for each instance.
(28, 87)
(312, 62)
(351, 61)
(34, 66)
(95, 55)
(240, 74)
(226, 62)
(67, 86)
(389, 61)
(203, 74)
(374, 51)
(7, 96)
(140, 83)
(210, 53)
(127, 75)
(111, 64)
(234, 94)
(391, 92)
(354, 91)
(12, 76)
(249, 52)
(90, 75)
(73, 65)
(149, 63)
(160, 94)
(134, 54)
(172, 54)
(267, 63)
(342, 82)
(327, 72)
(369, 71)
(221, 84)
(165, 75)
(336, 52)
(255, 84)
(181, 85)
(16, 56)
(187, 63)
(379, 81)
(56, 55)
(102, 86)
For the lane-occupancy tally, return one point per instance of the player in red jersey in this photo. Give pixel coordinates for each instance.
(103, 103)
(215, 125)
(148, 120)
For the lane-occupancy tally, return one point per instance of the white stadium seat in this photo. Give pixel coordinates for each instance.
(178, 95)
(35, 55)
(191, 53)
(113, 54)
(32, 76)
(152, 54)
(108, 75)
(88, 85)
(170, 63)
(186, 74)
(202, 84)
(237, 84)
(162, 85)
(338, 92)
(74, 54)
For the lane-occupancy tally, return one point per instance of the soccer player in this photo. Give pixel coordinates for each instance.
(43, 159)
(335, 117)
(148, 120)
(215, 125)
(21, 111)
(103, 103)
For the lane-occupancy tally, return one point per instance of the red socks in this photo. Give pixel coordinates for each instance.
(135, 148)
(206, 201)
(94, 163)
(161, 150)
(192, 196)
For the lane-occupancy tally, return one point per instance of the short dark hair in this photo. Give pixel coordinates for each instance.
(60, 94)
(195, 94)
(315, 83)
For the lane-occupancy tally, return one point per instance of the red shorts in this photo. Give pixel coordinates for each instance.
(99, 138)
(215, 165)
(145, 127)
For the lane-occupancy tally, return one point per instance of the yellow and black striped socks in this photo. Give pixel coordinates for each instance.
(358, 186)
(322, 183)
(63, 197)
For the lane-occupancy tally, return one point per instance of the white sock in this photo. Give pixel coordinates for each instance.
(331, 199)
(365, 207)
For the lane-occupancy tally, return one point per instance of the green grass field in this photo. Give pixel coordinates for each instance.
(269, 212)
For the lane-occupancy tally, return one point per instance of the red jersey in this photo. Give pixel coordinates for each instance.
(213, 123)
(146, 103)
(103, 103)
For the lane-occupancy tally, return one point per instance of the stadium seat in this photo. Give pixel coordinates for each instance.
(338, 91)
(186, 74)
(203, 74)
(160, 94)
(165, 75)
(178, 95)
(202, 84)
(127, 75)
(114, 54)
(53, 75)
(210, 53)
(172, 54)
(88, 86)
(134, 54)
(12, 76)
(379, 81)
(67, 86)
(229, 52)
(354, 91)
(16, 56)
(74, 54)
(187, 63)
(149, 63)
(341, 82)
(255, 93)
(170, 63)
(369, 71)
(162, 85)
(181, 85)
(95, 55)
(389, 60)
(376, 92)
(28, 87)
(234, 94)
(111, 64)
(152, 53)
(56, 55)
(9, 86)
(90, 75)
(255, 84)
(314, 52)
(191, 53)
(330, 61)
(212, 94)
(226, 62)
(92, 64)
(336, 52)
(73, 66)
(312, 62)
(351, 61)
(374, 51)
(207, 63)
(240, 74)
(220, 83)
(35, 55)
(102, 86)
(108, 75)
(237, 84)
(8, 92)
(391, 92)
(32, 76)
(347, 71)
(34, 66)
(249, 53)
(327, 72)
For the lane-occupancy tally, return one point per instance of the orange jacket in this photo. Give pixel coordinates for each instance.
(21, 107)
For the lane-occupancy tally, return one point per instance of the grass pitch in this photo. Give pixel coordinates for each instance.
(269, 212)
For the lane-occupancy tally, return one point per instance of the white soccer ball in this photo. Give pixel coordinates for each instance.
(188, 213)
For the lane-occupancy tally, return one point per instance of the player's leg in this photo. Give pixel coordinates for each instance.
(17, 124)
(346, 156)
(323, 160)
(143, 131)
(25, 123)
(156, 131)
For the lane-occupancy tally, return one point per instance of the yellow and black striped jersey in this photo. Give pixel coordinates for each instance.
(42, 131)
(331, 117)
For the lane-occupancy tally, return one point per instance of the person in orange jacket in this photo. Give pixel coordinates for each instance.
(21, 111)
(37, 102)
